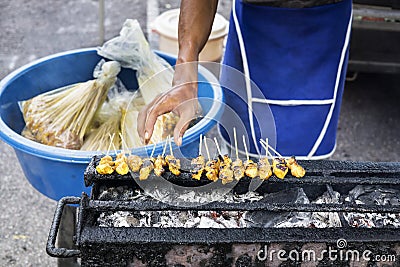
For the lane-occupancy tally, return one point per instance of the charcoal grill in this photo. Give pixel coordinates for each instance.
(150, 246)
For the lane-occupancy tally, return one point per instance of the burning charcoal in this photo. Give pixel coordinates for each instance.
(373, 195)
(326, 219)
(283, 219)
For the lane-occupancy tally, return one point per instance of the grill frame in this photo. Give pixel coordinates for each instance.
(97, 243)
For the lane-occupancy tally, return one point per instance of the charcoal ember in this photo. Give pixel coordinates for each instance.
(118, 193)
(281, 219)
(326, 219)
(165, 219)
(373, 195)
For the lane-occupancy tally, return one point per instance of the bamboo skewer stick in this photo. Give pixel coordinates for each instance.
(245, 148)
(109, 146)
(165, 146)
(124, 145)
(216, 143)
(152, 151)
(170, 147)
(270, 147)
(266, 146)
(200, 144)
(112, 141)
(267, 150)
(205, 144)
(236, 145)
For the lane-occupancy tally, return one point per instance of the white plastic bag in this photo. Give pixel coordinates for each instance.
(132, 50)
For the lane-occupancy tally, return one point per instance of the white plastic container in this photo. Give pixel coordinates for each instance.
(166, 26)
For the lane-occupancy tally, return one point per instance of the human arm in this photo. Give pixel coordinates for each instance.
(195, 23)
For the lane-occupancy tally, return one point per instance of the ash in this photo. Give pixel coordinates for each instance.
(368, 195)
(373, 195)
(184, 219)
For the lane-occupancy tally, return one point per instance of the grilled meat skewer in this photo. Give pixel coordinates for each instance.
(279, 167)
(295, 169)
(250, 168)
(121, 166)
(174, 164)
(238, 169)
(197, 167)
(135, 162)
(212, 169)
(146, 169)
(264, 169)
(159, 165)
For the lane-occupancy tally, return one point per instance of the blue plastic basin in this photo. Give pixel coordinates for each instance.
(58, 172)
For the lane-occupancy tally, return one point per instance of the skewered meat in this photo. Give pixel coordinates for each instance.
(226, 175)
(197, 165)
(279, 167)
(120, 164)
(122, 168)
(134, 163)
(238, 169)
(264, 169)
(225, 172)
(146, 169)
(212, 168)
(174, 164)
(226, 161)
(104, 168)
(295, 169)
(105, 159)
(106, 165)
(250, 168)
(121, 157)
(159, 164)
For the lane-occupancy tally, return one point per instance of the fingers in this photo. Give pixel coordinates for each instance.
(185, 117)
(141, 121)
(147, 118)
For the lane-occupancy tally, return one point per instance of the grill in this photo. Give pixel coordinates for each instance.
(155, 246)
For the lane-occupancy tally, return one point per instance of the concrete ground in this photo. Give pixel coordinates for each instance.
(368, 130)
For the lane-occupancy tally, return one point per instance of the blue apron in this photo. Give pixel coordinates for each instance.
(294, 63)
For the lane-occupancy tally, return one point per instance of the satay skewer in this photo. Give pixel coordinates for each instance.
(106, 164)
(174, 164)
(198, 163)
(237, 164)
(147, 166)
(212, 165)
(264, 167)
(120, 163)
(225, 172)
(270, 147)
(295, 169)
(160, 163)
(250, 167)
(279, 165)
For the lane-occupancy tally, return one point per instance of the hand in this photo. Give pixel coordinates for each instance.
(181, 99)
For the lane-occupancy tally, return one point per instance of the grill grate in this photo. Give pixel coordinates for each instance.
(150, 245)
